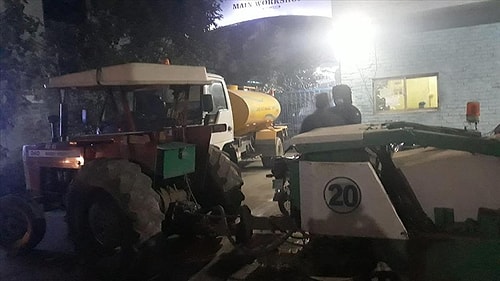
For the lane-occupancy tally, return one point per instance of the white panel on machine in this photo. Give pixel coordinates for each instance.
(346, 199)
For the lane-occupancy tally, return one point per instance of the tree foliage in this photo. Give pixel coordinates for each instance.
(23, 61)
(282, 52)
(120, 31)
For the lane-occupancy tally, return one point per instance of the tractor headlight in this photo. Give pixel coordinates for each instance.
(80, 161)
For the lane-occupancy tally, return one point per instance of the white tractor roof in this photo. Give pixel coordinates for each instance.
(133, 74)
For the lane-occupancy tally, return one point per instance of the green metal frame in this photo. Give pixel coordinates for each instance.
(410, 133)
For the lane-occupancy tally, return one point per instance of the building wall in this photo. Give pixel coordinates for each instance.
(467, 61)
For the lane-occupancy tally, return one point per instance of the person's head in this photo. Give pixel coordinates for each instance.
(322, 100)
(342, 94)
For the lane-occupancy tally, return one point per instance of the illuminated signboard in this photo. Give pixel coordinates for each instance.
(235, 11)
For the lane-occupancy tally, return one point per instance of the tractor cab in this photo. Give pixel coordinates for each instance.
(134, 97)
(128, 111)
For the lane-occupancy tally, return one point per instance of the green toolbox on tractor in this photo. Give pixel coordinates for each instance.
(137, 164)
(425, 199)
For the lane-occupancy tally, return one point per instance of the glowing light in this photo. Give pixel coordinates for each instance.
(80, 161)
(353, 36)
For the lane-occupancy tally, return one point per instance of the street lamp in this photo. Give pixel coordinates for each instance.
(352, 36)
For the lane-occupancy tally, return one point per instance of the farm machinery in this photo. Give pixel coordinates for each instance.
(135, 163)
(428, 210)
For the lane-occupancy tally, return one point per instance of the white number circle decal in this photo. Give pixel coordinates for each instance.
(342, 195)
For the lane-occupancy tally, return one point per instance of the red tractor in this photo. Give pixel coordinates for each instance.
(138, 163)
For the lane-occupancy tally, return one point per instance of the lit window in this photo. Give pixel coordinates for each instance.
(406, 93)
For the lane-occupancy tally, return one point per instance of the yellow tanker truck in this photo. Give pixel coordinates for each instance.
(249, 116)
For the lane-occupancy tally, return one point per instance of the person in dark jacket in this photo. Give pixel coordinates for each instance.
(322, 117)
(342, 97)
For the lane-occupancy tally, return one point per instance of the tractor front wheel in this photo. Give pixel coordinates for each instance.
(112, 207)
(22, 224)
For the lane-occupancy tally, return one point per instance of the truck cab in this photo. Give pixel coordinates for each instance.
(249, 117)
(222, 109)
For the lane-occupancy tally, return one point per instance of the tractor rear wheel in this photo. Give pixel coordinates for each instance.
(112, 207)
(22, 224)
(223, 186)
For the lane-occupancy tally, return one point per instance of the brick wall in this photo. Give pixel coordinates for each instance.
(466, 59)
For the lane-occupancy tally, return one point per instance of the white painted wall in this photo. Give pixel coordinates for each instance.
(467, 60)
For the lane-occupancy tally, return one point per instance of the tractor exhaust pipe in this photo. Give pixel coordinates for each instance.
(53, 119)
(59, 123)
(63, 122)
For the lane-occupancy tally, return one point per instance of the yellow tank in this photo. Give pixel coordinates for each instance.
(252, 111)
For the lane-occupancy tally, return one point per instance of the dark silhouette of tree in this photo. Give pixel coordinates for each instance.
(121, 31)
(281, 52)
(24, 60)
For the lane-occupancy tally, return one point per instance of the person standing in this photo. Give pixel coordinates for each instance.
(342, 97)
(322, 117)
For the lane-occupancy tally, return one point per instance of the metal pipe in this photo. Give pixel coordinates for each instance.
(63, 120)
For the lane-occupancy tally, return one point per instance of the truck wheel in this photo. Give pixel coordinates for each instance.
(111, 206)
(22, 224)
(268, 161)
(224, 182)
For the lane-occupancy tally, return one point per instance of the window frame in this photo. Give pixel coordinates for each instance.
(216, 99)
(405, 90)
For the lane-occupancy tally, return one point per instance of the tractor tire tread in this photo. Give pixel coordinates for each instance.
(225, 176)
(131, 189)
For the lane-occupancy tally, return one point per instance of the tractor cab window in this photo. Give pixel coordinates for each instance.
(111, 120)
(184, 104)
(149, 109)
(150, 103)
(155, 108)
